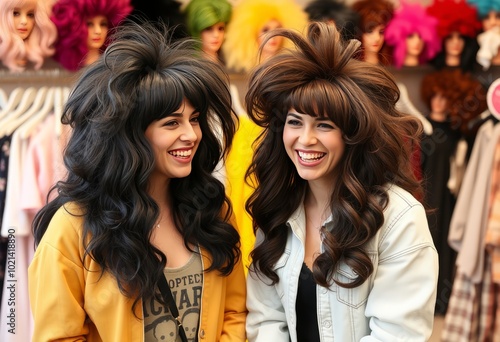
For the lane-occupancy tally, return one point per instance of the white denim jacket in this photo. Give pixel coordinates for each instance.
(396, 303)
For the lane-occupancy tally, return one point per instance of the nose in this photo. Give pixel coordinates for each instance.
(23, 19)
(307, 137)
(189, 133)
(97, 29)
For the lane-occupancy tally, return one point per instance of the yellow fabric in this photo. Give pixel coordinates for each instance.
(70, 302)
(237, 189)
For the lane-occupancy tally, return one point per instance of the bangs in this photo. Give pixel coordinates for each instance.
(161, 94)
(321, 98)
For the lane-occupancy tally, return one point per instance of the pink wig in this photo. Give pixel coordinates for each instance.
(37, 46)
(410, 19)
(70, 17)
(455, 16)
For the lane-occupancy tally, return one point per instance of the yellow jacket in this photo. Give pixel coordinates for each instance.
(70, 302)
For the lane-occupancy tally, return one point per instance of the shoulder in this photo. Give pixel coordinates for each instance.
(405, 223)
(64, 232)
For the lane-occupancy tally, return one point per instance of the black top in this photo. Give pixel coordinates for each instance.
(305, 306)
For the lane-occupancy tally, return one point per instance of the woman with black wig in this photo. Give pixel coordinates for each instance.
(343, 250)
(139, 203)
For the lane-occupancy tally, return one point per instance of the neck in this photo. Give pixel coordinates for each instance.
(266, 55)
(92, 56)
(452, 60)
(438, 116)
(159, 191)
(371, 57)
(411, 60)
(496, 60)
(318, 196)
(213, 56)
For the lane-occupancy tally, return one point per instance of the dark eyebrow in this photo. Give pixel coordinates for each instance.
(317, 118)
(178, 115)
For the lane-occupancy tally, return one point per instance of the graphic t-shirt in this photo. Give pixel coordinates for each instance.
(186, 284)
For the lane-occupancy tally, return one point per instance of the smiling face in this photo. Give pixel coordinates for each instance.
(24, 19)
(315, 146)
(212, 38)
(97, 32)
(174, 140)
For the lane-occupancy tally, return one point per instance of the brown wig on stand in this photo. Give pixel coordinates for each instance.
(373, 13)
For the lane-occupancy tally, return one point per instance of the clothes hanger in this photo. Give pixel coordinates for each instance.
(59, 109)
(235, 97)
(3, 98)
(13, 100)
(14, 121)
(29, 126)
(405, 105)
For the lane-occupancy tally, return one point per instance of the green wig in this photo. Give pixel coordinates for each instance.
(201, 14)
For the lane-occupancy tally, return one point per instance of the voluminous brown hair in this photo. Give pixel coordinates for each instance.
(321, 78)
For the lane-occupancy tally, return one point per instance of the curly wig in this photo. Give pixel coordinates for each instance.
(485, 6)
(344, 17)
(201, 14)
(489, 45)
(455, 16)
(39, 44)
(373, 13)
(141, 78)
(70, 17)
(465, 96)
(321, 78)
(249, 16)
(408, 19)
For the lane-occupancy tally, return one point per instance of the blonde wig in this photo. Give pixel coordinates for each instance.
(241, 49)
(40, 43)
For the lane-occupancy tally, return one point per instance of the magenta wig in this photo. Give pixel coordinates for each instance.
(39, 44)
(409, 19)
(70, 17)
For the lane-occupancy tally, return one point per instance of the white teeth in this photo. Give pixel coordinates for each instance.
(183, 154)
(310, 156)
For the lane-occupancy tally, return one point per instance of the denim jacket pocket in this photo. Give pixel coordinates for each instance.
(354, 297)
(279, 268)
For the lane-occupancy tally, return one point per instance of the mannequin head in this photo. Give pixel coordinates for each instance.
(453, 95)
(374, 17)
(83, 27)
(250, 22)
(488, 12)
(206, 21)
(457, 28)
(335, 12)
(412, 35)
(273, 45)
(27, 34)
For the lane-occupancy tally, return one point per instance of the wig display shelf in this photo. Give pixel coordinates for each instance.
(36, 78)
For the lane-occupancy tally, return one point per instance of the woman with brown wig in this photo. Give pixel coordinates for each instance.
(343, 249)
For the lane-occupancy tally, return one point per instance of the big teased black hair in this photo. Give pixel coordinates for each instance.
(142, 77)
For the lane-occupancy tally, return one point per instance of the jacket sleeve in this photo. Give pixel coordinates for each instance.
(266, 320)
(56, 285)
(400, 306)
(235, 311)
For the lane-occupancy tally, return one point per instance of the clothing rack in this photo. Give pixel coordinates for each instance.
(36, 78)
